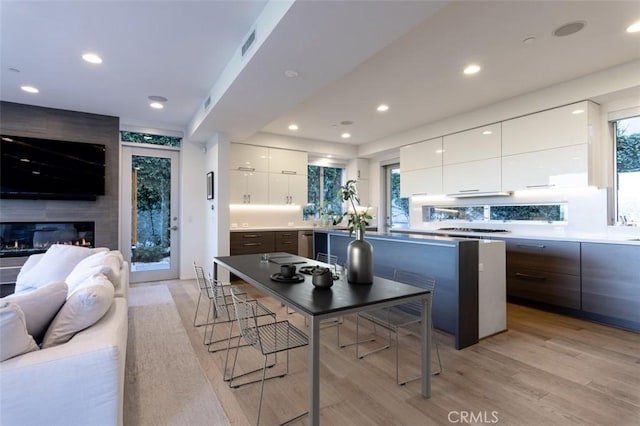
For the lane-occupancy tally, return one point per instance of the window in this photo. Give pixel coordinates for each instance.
(547, 213)
(627, 177)
(323, 186)
(397, 206)
(148, 138)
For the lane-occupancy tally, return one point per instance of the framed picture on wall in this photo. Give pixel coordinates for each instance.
(210, 186)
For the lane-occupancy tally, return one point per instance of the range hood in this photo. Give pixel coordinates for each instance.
(470, 194)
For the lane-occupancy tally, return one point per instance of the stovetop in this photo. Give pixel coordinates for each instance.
(474, 230)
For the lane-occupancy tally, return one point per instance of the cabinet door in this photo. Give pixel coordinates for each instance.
(611, 281)
(554, 128)
(238, 187)
(421, 182)
(258, 188)
(421, 155)
(251, 242)
(249, 158)
(287, 161)
(278, 188)
(472, 177)
(471, 145)
(298, 192)
(560, 167)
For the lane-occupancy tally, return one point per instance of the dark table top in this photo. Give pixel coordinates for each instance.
(341, 298)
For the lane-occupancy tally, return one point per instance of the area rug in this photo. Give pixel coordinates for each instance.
(164, 383)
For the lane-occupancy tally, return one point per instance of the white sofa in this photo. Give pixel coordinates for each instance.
(79, 382)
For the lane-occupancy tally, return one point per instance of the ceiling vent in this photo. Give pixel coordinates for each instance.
(249, 42)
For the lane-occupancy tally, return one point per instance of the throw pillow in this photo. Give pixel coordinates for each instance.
(14, 339)
(40, 306)
(84, 307)
(56, 264)
(106, 263)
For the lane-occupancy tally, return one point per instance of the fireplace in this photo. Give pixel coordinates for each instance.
(27, 238)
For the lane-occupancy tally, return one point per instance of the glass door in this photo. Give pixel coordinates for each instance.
(397, 207)
(150, 212)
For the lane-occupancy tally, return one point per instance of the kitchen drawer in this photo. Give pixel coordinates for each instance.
(286, 241)
(543, 255)
(252, 242)
(546, 287)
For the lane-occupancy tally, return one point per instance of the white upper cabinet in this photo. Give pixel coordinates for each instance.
(248, 187)
(551, 168)
(554, 128)
(286, 161)
(249, 158)
(421, 182)
(471, 145)
(421, 155)
(288, 189)
(473, 177)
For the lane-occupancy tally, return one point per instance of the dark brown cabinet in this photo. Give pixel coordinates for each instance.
(287, 241)
(544, 271)
(611, 281)
(252, 242)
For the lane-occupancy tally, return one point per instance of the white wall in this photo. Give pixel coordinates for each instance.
(192, 206)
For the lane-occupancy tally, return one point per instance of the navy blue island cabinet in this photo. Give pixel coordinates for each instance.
(451, 261)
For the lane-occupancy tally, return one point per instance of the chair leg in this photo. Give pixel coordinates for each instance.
(357, 343)
(195, 317)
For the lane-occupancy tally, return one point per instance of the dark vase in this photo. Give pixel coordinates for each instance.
(360, 260)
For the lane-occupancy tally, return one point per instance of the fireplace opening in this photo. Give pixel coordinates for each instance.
(27, 238)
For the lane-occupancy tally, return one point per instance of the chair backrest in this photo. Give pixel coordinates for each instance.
(327, 258)
(417, 280)
(246, 315)
(202, 280)
(219, 297)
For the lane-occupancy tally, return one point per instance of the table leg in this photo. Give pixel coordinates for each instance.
(426, 346)
(314, 371)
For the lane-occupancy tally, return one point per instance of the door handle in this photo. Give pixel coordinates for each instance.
(173, 228)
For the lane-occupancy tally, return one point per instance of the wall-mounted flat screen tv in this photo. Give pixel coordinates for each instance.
(50, 169)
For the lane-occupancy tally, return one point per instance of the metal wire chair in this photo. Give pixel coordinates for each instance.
(407, 316)
(268, 339)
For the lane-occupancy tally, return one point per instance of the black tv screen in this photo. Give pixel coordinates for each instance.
(50, 169)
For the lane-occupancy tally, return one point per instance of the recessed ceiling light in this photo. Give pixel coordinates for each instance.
(577, 111)
(471, 69)
(634, 28)
(29, 89)
(291, 73)
(156, 105)
(156, 98)
(293, 127)
(570, 28)
(383, 108)
(92, 58)
(487, 132)
(345, 135)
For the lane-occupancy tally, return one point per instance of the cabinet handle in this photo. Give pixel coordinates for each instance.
(247, 169)
(544, 185)
(530, 277)
(286, 242)
(251, 244)
(289, 172)
(469, 190)
(248, 198)
(538, 246)
(251, 236)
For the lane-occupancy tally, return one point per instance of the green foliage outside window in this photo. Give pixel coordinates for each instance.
(323, 192)
(148, 138)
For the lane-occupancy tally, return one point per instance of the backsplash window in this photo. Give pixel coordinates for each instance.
(503, 213)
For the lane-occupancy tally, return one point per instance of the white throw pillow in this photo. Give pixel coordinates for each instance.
(56, 264)
(40, 306)
(106, 263)
(14, 339)
(84, 307)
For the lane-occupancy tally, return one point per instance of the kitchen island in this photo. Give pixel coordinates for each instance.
(470, 297)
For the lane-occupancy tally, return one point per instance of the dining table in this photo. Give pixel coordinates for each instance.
(318, 304)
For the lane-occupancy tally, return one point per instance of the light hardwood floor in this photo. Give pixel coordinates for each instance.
(546, 369)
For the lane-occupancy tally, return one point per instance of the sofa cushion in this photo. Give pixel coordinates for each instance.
(56, 264)
(40, 306)
(84, 307)
(107, 263)
(14, 339)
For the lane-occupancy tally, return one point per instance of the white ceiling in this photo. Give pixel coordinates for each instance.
(350, 56)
